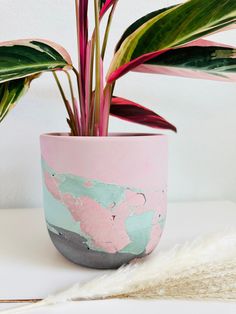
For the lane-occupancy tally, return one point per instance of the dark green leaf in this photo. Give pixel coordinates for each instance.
(132, 28)
(24, 58)
(10, 93)
(176, 26)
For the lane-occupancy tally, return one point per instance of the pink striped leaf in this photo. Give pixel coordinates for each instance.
(201, 59)
(174, 27)
(127, 67)
(21, 61)
(11, 92)
(130, 111)
(141, 21)
(22, 58)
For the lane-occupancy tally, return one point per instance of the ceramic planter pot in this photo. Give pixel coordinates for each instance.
(104, 197)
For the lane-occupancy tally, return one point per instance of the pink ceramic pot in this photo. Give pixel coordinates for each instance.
(104, 197)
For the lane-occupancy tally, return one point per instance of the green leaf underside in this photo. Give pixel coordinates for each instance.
(19, 61)
(10, 93)
(132, 28)
(209, 59)
(177, 26)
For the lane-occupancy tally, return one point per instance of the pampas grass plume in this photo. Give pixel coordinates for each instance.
(202, 269)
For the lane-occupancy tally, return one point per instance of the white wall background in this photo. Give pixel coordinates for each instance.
(202, 155)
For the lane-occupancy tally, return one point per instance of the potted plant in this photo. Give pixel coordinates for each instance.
(105, 194)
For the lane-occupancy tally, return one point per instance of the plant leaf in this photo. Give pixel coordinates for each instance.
(10, 93)
(24, 58)
(133, 27)
(133, 112)
(175, 27)
(201, 59)
(130, 66)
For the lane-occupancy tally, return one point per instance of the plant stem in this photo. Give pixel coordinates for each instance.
(74, 102)
(67, 105)
(77, 77)
(91, 111)
(80, 97)
(71, 87)
(108, 28)
(98, 70)
(81, 77)
(100, 4)
(88, 86)
(77, 27)
(108, 92)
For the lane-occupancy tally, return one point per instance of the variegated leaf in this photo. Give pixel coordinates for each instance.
(10, 93)
(24, 58)
(201, 59)
(175, 27)
(133, 27)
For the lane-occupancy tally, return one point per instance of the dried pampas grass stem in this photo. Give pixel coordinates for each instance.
(202, 269)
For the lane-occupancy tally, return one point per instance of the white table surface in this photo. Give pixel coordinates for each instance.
(30, 266)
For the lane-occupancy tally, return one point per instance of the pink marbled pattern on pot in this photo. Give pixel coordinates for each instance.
(100, 223)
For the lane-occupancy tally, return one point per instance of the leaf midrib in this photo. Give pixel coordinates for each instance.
(34, 66)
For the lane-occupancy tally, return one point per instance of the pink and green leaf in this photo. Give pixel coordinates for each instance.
(24, 58)
(130, 66)
(133, 27)
(201, 59)
(10, 93)
(174, 27)
(130, 111)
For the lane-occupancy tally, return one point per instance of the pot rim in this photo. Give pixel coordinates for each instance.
(113, 135)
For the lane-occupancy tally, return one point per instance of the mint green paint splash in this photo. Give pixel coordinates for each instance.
(107, 195)
(139, 229)
(58, 215)
(104, 194)
(138, 226)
